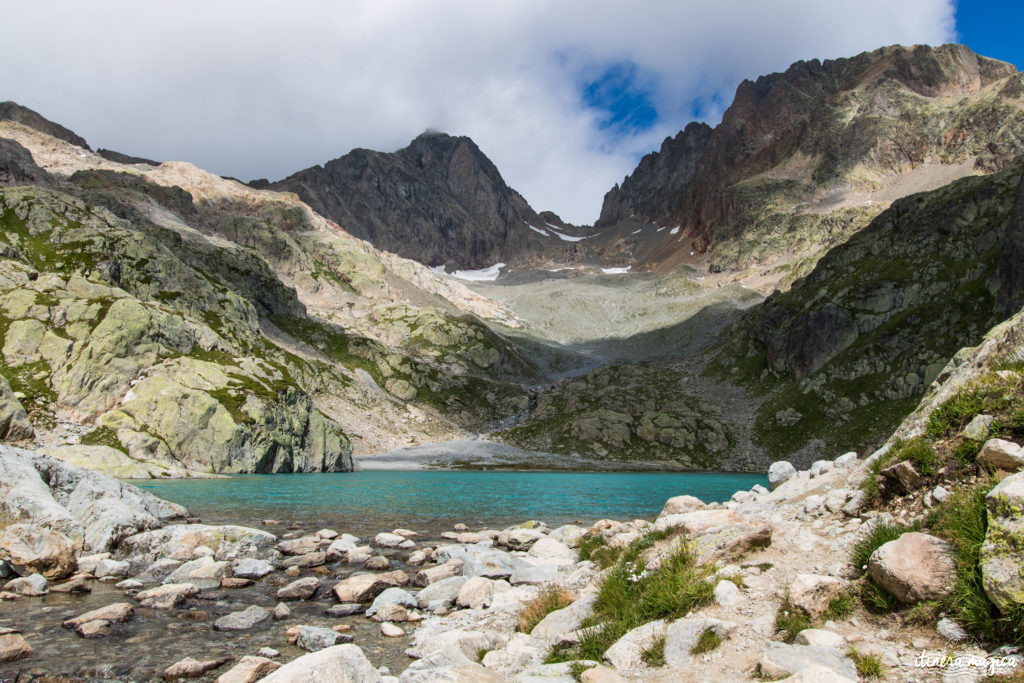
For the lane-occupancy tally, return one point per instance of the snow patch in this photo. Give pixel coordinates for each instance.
(482, 275)
(536, 229)
(616, 271)
(636, 231)
(674, 230)
(566, 238)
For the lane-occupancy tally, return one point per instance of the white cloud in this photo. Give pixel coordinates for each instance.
(264, 88)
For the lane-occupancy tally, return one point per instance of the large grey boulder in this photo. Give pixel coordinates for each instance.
(779, 473)
(396, 596)
(93, 510)
(678, 505)
(337, 664)
(1004, 543)
(445, 590)
(251, 568)
(914, 568)
(242, 621)
(490, 563)
(300, 589)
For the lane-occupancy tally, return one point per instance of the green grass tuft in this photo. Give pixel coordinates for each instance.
(839, 607)
(654, 655)
(791, 620)
(868, 666)
(708, 641)
(875, 539)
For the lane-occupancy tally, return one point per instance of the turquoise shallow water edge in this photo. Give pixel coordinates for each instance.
(372, 501)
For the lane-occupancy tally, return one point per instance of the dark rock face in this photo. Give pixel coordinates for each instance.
(12, 111)
(852, 346)
(120, 158)
(788, 136)
(18, 168)
(439, 201)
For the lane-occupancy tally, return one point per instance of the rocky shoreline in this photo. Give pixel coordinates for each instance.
(99, 561)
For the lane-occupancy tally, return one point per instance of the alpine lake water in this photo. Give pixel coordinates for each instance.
(363, 503)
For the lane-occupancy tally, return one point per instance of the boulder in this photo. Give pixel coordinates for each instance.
(115, 568)
(389, 611)
(812, 593)
(846, 460)
(341, 546)
(682, 635)
(30, 586)
(903, 475)
(94, 511)
(728, 594)
(915, 567)
(569, 534)
(451, 568)
(1000, 454)
(337, 664)
(820, 467)
(14, 647)
(37, 550)
(816, 673)
(242, 621)
(280, 611)
(625, 653)
(565, 620)
(193, 668)
(251, 568)
(117, 612)
(300, 546)
(302, 589)
(553, 551)
(679, 505)
(313, 638)
(445, 590)
(386, 540)
(977, 428)
(600, 674)
(87, 563)
(365, 587)
(820, 637)
(378, 563)
(305, 561)
(396, 596)
(519, 538)
(490, 563)
(1004, 544)
(780, 660)
(389, 630)
(80, 583)
(249, 670)
(167, 596)
(475, 593)
(204, 567)
(779, 473)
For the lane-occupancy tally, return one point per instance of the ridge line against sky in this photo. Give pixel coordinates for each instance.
(563, 97)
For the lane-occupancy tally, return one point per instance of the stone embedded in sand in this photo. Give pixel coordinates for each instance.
(812, 593)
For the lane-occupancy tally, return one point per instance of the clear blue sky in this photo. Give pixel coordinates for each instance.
(994, 28)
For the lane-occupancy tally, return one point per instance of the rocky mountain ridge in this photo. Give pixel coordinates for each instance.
(439, 200)
(805, 158)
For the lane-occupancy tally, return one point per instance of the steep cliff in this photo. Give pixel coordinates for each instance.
(804, 158)
(440, 201)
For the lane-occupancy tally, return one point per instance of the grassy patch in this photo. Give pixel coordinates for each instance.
(102, 436)
(550, 600)
(923, 613)
(708, 641)
(876, 598)
(631, 596)
(839, 607)
(868, 666)
(654, 654)
(594, 547)
(791, 620)
(872, 541)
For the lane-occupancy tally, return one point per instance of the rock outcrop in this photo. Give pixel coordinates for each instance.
(806, 157)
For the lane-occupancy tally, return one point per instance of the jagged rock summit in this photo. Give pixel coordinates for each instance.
(811, 154)
(440, 201)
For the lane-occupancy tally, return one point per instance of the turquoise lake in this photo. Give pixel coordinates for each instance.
(372, 501)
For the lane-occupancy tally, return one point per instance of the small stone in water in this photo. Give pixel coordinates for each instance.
(389, 630)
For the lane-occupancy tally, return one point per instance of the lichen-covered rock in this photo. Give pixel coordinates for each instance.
(915, 567)
(1004, 544)
(14, 423)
